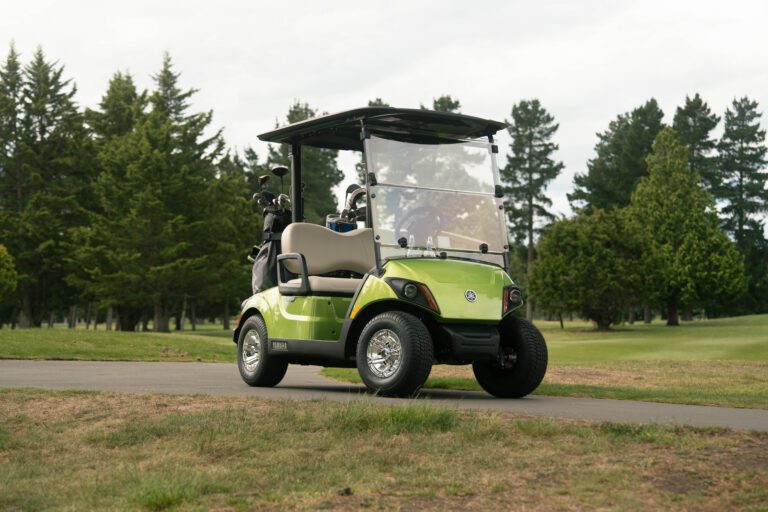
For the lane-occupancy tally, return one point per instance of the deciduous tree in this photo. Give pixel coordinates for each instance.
(590, 264)
(8, 276)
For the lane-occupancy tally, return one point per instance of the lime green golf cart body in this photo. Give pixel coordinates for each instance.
(424, 281)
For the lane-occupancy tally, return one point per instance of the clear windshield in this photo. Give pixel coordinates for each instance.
(434, 198)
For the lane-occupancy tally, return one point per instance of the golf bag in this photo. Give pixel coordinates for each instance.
(264, 274)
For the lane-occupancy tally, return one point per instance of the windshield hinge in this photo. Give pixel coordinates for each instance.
(498, 191)
(372, 179)
(494, 148)
(365, 133)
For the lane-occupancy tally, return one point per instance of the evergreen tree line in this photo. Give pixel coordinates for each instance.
(667, 218)
(134, 213)
(137, 212)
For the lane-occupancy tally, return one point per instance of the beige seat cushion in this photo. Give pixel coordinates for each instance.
(328, 251)
(319, 284)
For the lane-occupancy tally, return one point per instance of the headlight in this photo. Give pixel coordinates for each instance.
(512, 298)
(411, 291)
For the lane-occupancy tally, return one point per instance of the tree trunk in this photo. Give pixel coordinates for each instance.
(25, 314)
(50, 319)
(603, 325)
(687, 313)
(632, 315)
(162, 319)
(226, 315)
(672, 306)
(72, 317)
(109, 318)
(88, 317)
(127, 318)
(183, 314)
(193, 316)
(647, 315)
(560, 316)
(144, 321)
(529, 272)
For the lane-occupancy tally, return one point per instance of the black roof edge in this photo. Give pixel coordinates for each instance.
(342, 130)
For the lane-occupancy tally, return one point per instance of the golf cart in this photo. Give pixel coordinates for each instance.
(413, 272)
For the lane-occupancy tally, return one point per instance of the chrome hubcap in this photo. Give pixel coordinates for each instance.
(384, 353)
(251, 350)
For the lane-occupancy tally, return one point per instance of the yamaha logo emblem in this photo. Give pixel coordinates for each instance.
(470, 295)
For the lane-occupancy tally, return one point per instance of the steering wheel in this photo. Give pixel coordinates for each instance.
(421, 222)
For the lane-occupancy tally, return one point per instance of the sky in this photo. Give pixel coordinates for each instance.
(586, 61)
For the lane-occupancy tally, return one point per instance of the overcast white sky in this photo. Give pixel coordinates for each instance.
(586, 61)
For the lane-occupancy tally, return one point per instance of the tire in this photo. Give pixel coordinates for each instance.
(394, 376)
(268, 370)
(522, 338)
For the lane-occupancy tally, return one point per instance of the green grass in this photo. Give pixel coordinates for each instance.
(86, 451)
(714, 362)
(79, 344)
(743, 338)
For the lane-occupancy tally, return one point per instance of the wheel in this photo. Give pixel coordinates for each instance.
(394, 354)
(522, 364)
(257, 367)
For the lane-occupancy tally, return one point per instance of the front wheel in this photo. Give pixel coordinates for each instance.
(257, 367)
(522, 362)
(394, 354)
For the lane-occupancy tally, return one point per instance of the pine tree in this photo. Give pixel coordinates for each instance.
(319, 169)
(694, 259)
(741, 177)
(693, 124)
(120, 109)
(445, 103)
(46, 166)
(11, 117)
(158, 229)
(530, 168)
(360, 166)
(96, 260)
(620, 161)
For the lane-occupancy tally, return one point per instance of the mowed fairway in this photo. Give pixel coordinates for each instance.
(78, 344)
(86, 451)
(712, 362)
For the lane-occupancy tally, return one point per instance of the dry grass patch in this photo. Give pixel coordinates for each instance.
(75, 451)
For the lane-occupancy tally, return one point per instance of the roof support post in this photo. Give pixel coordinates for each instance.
(297, 203)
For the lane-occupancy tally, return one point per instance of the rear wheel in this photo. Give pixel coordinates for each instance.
(394, 354)
(522, 364)
(257, 367)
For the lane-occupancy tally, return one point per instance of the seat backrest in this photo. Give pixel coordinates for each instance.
(328, 251)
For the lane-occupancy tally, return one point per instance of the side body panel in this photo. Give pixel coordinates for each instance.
(324, 330)
(300, 318)
(449, 281)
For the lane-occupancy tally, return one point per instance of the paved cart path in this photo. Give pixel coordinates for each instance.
(303, 382)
